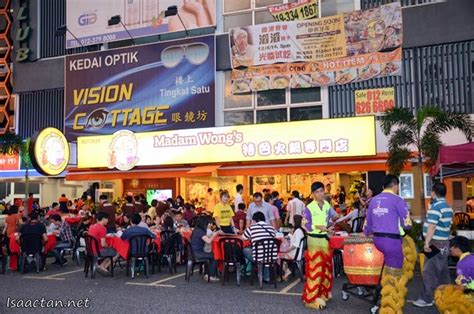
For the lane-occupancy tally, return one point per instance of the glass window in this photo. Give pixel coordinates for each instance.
(304, 95)
(333, 7)
(235, 101)
(306, 113)
(237, 20)
(5, 189)
(238, 117)
(263, 16)
(32, 188)
(275, 115)
(264, 3)
(271, 97)
(233, 5)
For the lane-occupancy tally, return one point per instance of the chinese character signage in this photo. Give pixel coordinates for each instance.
(374, 101)
(314, 74)
(162, 86)
(273, 141)
(327, 38)
(299, 10)
(9, 162)
(88, 19)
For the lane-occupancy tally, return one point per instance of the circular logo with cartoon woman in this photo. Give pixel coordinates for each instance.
(51, 152)
(123, 151)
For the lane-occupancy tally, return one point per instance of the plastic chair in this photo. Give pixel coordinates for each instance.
(192, 261)
(31, 247)
(298, 261)
(462, 221)
(357, 225)
(266, 254)
(139, 249)
(93, 256)
(233, 256)
(170, 242)
(3, 257)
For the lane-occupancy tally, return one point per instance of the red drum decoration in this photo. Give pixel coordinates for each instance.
(362, 261)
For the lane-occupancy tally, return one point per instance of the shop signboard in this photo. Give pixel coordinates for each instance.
(333, 50)
(161, 86)
(9, 162)
(88, 19)
(326, 38)
(374, 101)
(345, 137)
(315, 74)
(298, 10)
(49, 152)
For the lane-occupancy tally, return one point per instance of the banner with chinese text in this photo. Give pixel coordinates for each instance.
(374, 101)
(162, 86)
(299, 10)
(87, 20)
(314, 74)
(273, 141)
(327, 38)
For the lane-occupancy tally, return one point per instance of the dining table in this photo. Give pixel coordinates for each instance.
(15, 248)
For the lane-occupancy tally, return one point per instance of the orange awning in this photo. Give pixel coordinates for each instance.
(204, 169)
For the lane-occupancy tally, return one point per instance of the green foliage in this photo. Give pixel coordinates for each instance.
(13, 144)
(416, 233)
(422, 132)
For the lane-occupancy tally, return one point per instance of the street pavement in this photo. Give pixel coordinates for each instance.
(169, 293)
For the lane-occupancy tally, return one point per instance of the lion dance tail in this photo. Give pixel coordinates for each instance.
(451, 299)
(394, 281)
(317, 288)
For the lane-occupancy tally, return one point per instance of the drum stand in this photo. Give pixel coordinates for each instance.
(366, 293)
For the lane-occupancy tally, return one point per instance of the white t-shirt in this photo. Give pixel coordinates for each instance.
(295, 207)
(238, 199)
(295, 240)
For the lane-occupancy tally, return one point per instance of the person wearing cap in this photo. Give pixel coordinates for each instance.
(317, 288)
(386, 218)
(458, 298)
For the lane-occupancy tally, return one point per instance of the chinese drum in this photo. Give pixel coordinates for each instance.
(362, 261)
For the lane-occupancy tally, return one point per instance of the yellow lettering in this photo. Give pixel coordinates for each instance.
(115, 114)
(135, 119)
(94, 96)
(112, 90)
(148, 115)
(125, 115)
(79, 96)
(159, 114)
(76, 125)
(102, 94)
(126, 93)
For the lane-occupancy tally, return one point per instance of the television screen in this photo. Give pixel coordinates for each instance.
(160, 195)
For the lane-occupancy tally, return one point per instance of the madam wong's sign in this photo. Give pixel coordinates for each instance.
(274, 141)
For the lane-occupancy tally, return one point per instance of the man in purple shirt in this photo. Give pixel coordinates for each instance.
(387, 215)
(386, 218)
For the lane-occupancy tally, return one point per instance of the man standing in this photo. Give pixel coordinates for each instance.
(238, 197)
(317, 288)
(386, 215)
(258, 205)
(436, 231)
(295, 207)
(108, 208)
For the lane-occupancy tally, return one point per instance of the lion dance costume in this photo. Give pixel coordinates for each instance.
(458, 299)
(386, 215)
(317, 288)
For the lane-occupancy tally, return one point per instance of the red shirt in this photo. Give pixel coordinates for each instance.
(30, 205)
(12, 223)
(240, 215)
(99, 232)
